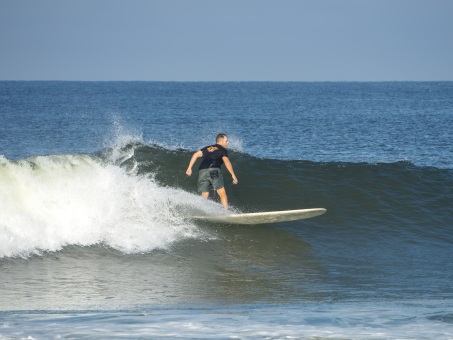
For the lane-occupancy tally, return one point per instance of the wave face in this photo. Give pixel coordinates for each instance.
(351, 192)
(138, 198)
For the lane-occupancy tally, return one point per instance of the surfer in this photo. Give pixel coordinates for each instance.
(210, 174)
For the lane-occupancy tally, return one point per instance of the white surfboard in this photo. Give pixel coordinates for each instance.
(263, 217)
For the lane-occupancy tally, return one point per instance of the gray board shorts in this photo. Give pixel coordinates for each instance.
(210, 178)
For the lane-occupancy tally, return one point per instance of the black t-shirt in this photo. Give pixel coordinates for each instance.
(212, 156)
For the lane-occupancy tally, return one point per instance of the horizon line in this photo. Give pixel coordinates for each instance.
(228, 81)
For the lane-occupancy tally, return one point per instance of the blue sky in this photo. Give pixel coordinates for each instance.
(234, 40)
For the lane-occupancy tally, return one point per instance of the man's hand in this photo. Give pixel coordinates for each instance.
(189, 172)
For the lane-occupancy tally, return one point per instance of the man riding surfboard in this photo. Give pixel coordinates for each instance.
(210, 173)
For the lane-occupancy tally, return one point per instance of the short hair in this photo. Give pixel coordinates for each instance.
(220, 137)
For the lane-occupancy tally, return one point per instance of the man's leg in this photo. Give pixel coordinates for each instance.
(204, 183)
(223, 197)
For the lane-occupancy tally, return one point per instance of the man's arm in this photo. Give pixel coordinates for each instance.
(194, 158)
(229, 167)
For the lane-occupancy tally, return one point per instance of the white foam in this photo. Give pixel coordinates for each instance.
(49, 202)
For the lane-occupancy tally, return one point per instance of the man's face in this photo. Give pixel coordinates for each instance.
(224, 142)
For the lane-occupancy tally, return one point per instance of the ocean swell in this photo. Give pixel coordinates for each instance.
(137, 198)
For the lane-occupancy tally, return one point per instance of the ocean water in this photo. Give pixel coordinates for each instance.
(96, 240)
